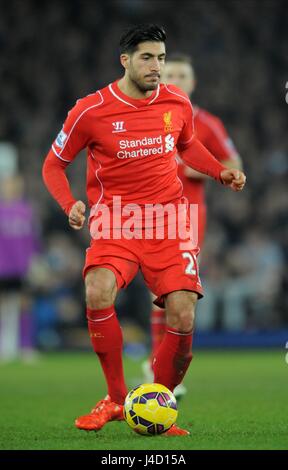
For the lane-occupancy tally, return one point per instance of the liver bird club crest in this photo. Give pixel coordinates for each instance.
(167, 118)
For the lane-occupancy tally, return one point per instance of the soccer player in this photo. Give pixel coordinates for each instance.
(211, 132)
(132, 130)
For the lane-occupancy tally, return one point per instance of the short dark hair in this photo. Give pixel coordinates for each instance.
(140, 33)
(180, 58)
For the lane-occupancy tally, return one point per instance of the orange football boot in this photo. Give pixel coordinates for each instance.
(176, 431)
(105, 410)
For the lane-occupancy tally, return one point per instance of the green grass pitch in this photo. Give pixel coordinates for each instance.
(236, 400)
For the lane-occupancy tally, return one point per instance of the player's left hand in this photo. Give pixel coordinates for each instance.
(233, 178)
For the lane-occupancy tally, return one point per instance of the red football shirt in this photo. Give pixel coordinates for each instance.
(131, 147)
(211, 132)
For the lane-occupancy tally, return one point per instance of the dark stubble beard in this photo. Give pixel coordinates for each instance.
(142, 87)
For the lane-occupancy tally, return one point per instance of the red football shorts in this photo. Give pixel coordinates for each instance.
(165, 266)
(202, 222)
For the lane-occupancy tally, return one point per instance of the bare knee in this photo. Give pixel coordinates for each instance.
(180, 310)
(101, 288)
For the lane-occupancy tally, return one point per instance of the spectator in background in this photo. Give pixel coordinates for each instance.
(18, 244)
(247, 280)
(256, 268)
(54, 285)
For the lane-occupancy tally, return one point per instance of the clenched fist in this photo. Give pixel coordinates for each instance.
(233, 178)
(76, 215)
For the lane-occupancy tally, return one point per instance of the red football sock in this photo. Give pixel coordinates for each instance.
(107, 340)
(158, 329)
(172, 358)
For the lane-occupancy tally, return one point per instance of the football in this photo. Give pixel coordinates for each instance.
(150, 409)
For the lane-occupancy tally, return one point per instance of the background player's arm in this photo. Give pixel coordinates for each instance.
(234, 162)
(199, 158)
(219, 144)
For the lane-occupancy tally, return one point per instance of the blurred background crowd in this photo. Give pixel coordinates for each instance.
(52, 53)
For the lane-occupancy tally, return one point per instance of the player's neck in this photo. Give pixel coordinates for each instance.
(130, 89)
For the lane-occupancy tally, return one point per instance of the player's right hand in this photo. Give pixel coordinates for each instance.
(233, 178)
(76, 215)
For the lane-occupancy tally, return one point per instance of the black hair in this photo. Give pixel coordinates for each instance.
(140, 33)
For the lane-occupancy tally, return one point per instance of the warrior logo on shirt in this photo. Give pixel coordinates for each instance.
(167, 118)
(118, 126)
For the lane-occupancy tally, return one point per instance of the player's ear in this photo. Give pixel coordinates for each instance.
(125, 60)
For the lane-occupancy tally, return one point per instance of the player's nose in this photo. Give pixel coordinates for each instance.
(155, 66)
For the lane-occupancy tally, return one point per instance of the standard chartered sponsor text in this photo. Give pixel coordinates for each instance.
(148, 146)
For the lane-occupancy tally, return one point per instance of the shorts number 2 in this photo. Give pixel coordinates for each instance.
(191, 267)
